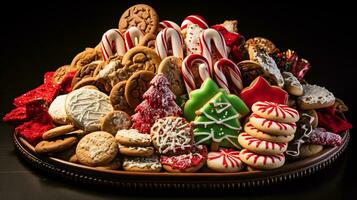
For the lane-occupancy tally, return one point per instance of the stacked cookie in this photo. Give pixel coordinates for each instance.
(266, 136)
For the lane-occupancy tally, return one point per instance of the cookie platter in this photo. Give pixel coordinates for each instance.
(158, 105)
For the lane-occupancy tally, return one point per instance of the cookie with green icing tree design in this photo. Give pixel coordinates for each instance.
(217, 123)
(202, 95)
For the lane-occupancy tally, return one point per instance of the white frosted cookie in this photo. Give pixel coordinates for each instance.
(57, 110)
(133, 137)
(86, 107)
(260, 146)
(251, 130)
(136, 151)
(272, 127)
(224, 160)
(315, 97)
(276, 112)
(261, 161)
(292, 84)
(142, 164)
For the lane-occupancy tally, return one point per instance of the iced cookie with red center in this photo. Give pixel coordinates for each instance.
(189, 162)
(272, 127)
(262, 161)
(261, 90)
(260, 146)
(251, 130)
(225, 160)
(276, 112)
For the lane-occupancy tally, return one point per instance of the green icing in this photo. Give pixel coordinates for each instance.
(217, 120)
(209, 89)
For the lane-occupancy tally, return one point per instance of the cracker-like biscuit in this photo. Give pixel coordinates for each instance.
(57, 145)
(171, 68)
(136, 86)
(114, 121)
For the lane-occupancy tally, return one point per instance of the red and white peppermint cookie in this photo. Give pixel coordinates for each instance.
(225, 160)
(272, 127)
(251, 130)
(261, 161)
(276, 112)
(189, 162)
(260, 146)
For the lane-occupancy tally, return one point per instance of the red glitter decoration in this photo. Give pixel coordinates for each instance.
(329, 120)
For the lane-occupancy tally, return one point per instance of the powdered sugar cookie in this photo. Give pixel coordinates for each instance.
(85, 108)
(142, 164)
(251, 130)
(315, 97)
(276, 112)
(225, 160)
(260, 146)
(57, 110)
(262, 161)
(136, 151)
(272, 127)
(132, 137)
(114, 121)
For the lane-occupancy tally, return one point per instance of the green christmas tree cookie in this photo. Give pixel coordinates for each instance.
(208, 90)
(217, 123)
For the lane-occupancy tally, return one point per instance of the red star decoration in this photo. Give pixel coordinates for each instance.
(261, 90)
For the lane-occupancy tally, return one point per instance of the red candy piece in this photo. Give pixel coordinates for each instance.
(32, 131)
(66, 84)
(332, 122)
(322, 137)
(16, 116)
(261, 90)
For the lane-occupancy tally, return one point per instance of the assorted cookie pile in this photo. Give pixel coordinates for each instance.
(155, 96)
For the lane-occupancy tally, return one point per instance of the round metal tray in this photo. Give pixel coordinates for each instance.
(163, 180)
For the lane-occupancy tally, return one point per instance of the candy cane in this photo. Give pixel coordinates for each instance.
(234, 74)
(169, 24)
(194, 19)
(186, 70)
(112, 42)
(162, 43)
(207, 37)
(132, 37)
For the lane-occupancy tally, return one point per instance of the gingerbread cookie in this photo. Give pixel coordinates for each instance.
(57, 110)
(53, 146)
(171, 68)
(263, 43)
(136, 85)
(307, 150)
(142, 164)
(225, 160)
(251, 130)
(292, 84)
(96, 149)
(92, 81)
(260, 146)
(58, 131)
(141, 16)
(262, 161)
(315, 97)
(132, 137)
(272, 127)
(85, 108)
(141, 58)
(136, 151)
(85, 71)
(148, 40)
(85, 57)
(114, 121)
(117, 98)
(276, 112)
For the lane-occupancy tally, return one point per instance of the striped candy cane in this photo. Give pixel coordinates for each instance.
(186, 70)
(112, 43)
(169, 24)
(226, 65)
(132, 37)
(194, 19)
(162, 43)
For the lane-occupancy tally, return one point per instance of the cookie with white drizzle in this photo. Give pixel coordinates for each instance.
(260, 146)
(276, 112)
(133, 137)
(315, 97)
(136, 151)
(172, 135)
(292, 84)
(262, 161)
(224, 160)
(142, 164)
(251, 130)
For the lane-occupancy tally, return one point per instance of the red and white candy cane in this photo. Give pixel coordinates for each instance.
(132, 37)
(162, 43)
(226, 65)
(194, 19)
(169, 24)
(209, 37)
(187, 74)
(112, 43)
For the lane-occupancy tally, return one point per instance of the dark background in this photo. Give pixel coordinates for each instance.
(40, 37)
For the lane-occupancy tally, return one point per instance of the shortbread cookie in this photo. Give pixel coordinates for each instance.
(85, 57)
(85, 108)
(292, 84)
(276, 112)
(132, 137)
(141, 16)
(251, 130)
(261, 161)
(307, 150)
(141, 58)
(225, 160)
(117, 98)
(58, 131)
(136, 151)
(272, 127)
(260, 146)
(148, 40)
(57, 110)
(57, 145)
(97, 148)
(114, 121)
(85, 71)
(114, 164)
(136, 86)
(263, 43)
(315, 97)
(142, 164)
(171, 68)
(172, 135)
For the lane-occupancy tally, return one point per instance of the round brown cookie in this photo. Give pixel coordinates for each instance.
(114, 164)
(148, 40)
(59, 144)
(292, 84)
(142, 164)
(73, 159)
(92, 82)
(136, 151)
(307, 150)
(141, 16)
(313, 114)
(340, 106)
(103, 64)
(85, 72)
(141, 58)
(85, 57)
(65, 154)
(136, 85)
(60, 73)
(58, 131)
(114, 121)
(171, 68)
(79, 133)
(117, 98)
(97, 148)
(133, 138)
(250, 71)
(264, 43)
(91, 87)
(112, 72)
